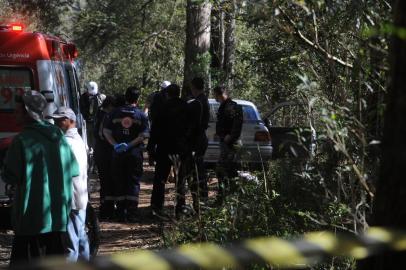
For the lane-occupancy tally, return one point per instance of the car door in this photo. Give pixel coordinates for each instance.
(290, 130)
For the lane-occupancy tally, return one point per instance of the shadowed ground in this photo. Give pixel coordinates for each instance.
(116, 237)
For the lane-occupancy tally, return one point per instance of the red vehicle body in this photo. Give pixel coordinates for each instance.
(39, 62)
(43, 63)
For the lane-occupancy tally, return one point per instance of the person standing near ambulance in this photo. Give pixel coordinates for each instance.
(126, 130)
(41, 165)
(103, 155)
(78, 246)
(89, 102)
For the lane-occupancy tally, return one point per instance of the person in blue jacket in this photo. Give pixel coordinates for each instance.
(125, 131)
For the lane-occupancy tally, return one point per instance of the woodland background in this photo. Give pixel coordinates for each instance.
(332, 56)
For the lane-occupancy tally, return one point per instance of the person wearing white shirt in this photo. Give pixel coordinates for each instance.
(78, 247)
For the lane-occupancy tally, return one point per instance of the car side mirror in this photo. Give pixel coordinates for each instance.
(49, 95)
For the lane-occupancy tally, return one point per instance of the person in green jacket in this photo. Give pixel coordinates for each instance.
(40, 164)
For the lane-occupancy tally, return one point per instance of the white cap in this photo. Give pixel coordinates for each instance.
(63, 112)
(92, 88)
(165, 84)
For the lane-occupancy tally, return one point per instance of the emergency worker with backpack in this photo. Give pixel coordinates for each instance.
(89, 102)
(125, 131)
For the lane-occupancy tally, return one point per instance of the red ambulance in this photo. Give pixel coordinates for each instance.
(34, 61)
(48, 64)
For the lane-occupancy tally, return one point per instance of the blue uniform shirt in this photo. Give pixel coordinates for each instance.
(127, 123)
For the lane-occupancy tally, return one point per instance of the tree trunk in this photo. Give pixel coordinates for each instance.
(217, 42)
(197, 55)
(229, 38)
(389, 207)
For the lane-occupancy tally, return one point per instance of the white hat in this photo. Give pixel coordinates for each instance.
(92, 88)
(63, 112)
(165, 84)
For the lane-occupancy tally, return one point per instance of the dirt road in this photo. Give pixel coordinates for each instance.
(116, 237)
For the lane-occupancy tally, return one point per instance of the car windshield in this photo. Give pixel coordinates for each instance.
(249, 112)
(13, 81)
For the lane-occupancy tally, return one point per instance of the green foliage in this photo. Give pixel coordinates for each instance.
(283, 204)
(137, 43)
(329, 55)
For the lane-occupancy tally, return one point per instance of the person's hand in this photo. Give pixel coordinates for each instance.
(120, 147)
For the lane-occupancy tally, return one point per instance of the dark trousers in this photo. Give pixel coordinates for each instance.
(162, 169)
(192, 172)
(31, 247)
(103, 159)
(127, 172)
(226, 169)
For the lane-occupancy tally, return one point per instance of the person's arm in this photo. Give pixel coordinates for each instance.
(14, 164)
(144, 131)
(108, 134)
(107, 129)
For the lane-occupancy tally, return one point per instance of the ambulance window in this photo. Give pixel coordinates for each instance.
(73, 91)
(13, 81)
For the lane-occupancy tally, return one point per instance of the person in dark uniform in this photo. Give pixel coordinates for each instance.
(103, 157)
(126, 131)
(228, 129)
(170, 137)
(198, 114)
(155, 103)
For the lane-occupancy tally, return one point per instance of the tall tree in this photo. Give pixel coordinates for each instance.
(229, 40)
(197, 55)
(217, 46)
(389, 208)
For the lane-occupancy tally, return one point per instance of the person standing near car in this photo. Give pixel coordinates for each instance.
(170, 126)
(78, 246)
(41, 165)
(198, 119)
(126, 131)
(228, 129)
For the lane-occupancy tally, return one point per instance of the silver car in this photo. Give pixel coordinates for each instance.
(255, 141)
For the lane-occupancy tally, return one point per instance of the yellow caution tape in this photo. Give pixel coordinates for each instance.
(208, 255)
(277, 252)
(272, 251)
(140, 260)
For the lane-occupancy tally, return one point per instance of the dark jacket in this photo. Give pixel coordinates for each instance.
(156, 104)
(198, 114)
(89, 105)
(171, 127)
(229, 120)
